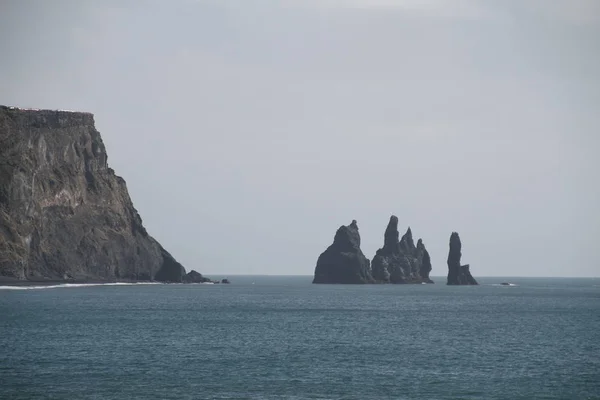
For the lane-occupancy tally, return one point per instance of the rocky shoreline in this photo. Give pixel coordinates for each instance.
(6, 281)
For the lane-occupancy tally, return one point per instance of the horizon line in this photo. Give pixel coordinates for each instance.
(432, 276)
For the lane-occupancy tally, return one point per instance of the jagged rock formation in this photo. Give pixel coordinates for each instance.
(344, 261)
(401, 261)
(64, 214)
(458, 274)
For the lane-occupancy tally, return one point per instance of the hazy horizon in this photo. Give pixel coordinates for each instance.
(249, 131)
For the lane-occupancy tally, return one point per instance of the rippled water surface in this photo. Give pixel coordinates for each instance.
(283, 338)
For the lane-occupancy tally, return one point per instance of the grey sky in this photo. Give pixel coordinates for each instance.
(249, 131)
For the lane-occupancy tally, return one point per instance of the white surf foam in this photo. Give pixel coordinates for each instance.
(75, 285)
(499, 284)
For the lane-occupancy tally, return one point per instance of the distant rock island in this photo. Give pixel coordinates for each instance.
(458, 274)
(398, 261)
(64, 214)
(344, 261)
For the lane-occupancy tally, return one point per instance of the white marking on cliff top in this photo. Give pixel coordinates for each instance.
(45, 109)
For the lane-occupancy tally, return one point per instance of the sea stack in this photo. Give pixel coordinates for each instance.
(65, 215)
(400, 261)
(344, 261)
(458, 274)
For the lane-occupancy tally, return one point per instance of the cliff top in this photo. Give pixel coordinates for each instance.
(13, 108)
(38, 118)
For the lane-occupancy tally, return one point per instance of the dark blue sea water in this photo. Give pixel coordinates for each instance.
(283, 338)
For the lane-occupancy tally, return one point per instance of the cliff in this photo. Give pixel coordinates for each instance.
(400, 261)
(344, 261)
(64, 214)
(458, 274)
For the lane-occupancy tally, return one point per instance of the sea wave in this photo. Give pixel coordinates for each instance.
(75, 285)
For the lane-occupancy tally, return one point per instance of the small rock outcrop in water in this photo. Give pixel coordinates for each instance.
(400, 261)
(344, 261)
(64, 214)
(458, 274)
(195, 277)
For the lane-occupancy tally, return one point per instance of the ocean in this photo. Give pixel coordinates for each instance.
(278, 337)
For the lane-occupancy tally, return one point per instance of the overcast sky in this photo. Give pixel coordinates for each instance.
(248, 131)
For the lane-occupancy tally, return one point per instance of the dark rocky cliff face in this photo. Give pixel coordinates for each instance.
(458, 274)
(64, 214)
(400, 261)
(344, 261)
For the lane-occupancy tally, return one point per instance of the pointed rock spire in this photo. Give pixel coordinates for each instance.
(390, 237)
(458, 274)
(407, 243)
